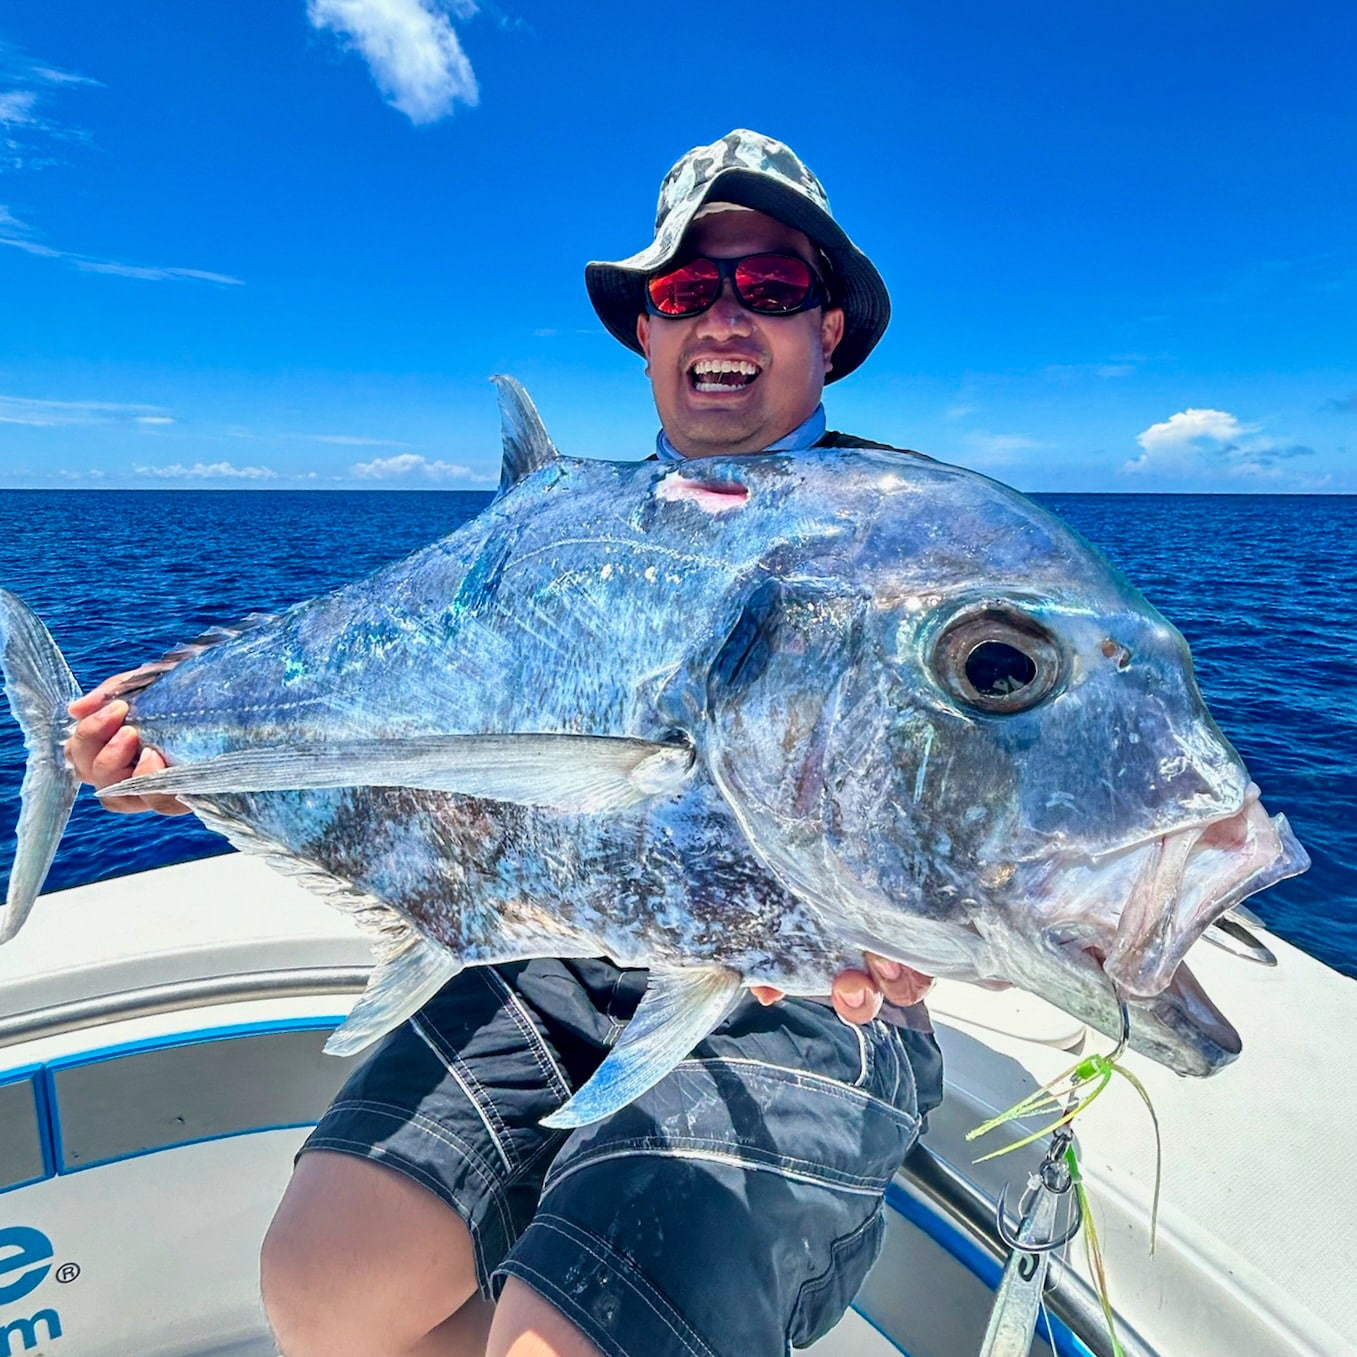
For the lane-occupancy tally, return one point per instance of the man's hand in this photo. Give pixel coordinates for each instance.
(857, 995)
(103, 751)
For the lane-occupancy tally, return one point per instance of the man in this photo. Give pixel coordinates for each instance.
(727, 1225)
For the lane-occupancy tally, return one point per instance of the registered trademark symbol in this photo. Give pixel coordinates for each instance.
(67, 1272)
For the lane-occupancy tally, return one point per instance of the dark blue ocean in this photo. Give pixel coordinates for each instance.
(1264, 588)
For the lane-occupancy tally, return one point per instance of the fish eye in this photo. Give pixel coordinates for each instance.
(997, 661)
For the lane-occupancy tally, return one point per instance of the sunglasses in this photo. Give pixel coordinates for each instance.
(767, 284)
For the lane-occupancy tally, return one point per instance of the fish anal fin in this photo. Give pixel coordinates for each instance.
(399, 987)
(680, 1008)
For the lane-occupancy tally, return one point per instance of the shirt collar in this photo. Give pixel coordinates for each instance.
(805, 435)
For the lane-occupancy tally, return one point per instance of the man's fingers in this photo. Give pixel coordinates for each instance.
(151, 761)
(900, 984)
(116, 759)
(766, 994)
(91, 735)
(123, 757)
(855, 997)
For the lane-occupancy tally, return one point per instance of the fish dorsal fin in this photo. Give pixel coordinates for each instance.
(137, 680)
(527, 444)
(679, 1008)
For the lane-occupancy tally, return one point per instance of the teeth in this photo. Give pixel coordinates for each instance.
(706, 366)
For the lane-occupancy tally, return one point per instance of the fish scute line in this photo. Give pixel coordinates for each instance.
(235, 711)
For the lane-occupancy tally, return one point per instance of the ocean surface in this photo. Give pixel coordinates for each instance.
(1263, 587)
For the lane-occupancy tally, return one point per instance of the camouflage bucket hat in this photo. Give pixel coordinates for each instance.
(748, 170)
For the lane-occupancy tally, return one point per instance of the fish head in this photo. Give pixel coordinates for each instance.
(980, 751)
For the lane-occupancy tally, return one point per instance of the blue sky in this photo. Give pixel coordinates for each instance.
(283, 243)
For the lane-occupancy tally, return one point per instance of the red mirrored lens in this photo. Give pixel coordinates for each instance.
(693, 287)
(773, 282)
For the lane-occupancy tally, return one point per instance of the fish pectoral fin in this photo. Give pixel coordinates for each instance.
(679, 1009)
(580, 773)
(398, 988)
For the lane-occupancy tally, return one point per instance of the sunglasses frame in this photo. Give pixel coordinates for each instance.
(816, 295)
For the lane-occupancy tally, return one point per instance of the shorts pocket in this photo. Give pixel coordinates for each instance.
(822, 1300)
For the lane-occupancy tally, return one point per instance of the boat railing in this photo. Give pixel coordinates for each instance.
(148, 1000)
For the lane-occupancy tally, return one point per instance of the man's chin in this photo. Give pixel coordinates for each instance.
(718, 423)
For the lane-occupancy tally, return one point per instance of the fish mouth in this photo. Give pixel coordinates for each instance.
(1186, 880)
(1174, 887)
(723, 373)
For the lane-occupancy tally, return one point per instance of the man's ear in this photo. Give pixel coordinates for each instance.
(643, 336)
(831, 331)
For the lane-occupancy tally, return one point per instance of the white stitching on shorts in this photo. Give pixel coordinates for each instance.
(417, 1023)
(864, 1057)
(444, 1135)
(636, 1280)
(556, 1177)
(834, 1088)
(545, 1062)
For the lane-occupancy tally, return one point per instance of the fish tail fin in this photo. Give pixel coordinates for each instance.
(39, 684)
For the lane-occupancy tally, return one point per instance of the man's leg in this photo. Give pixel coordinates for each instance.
(360, 1259)
(528, 1326)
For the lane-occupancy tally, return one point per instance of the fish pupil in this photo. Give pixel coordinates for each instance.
(995, 669)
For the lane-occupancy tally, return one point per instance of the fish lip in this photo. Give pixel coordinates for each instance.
(1200, 823)
(1188, 881)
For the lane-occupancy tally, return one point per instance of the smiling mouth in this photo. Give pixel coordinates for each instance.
(723, 374)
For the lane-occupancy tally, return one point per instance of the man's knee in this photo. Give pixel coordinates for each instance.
(361, 1259)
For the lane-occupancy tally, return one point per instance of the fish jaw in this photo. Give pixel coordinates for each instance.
(1179, 1028)
(1121, 926)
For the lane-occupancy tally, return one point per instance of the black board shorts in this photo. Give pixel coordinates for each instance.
(732, 1211)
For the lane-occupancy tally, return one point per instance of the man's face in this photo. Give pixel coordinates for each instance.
(791, 354)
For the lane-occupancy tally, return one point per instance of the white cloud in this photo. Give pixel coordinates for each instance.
(353, 440)
(14, 233)
(51, 414)
(1191, 426)
(28, 136)
(17, 108)
(1212, 443)
(203, 471)
(410, 464)
(146, 272)
(94, 475)
(996, 449)
(410, 48)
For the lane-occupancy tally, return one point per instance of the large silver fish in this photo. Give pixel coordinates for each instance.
(736, 720)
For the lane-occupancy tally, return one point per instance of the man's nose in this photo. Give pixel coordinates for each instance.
(725, 316)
